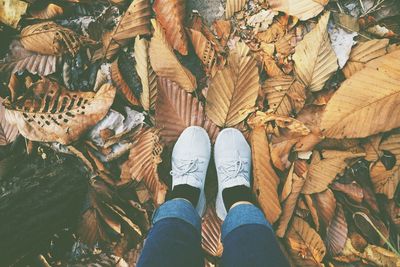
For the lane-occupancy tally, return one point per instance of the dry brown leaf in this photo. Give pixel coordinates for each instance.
(336, 233)
(270, 66)
(265, 180)
(146, 73)
(142, 163)
(229, 101)
(352, 190)
(50, 38)
(305, 245)
(280, 151)
(385, 181)
(8, 131)
(165, 63)
(204, 50)
(326, 206)
(285, 46)
(50, 113)
(285, 95)
(176, 110)
(233, 6)
(364, 52)
(324, 168)
(223, 30)
(211, 233)
(121, 85)
(315, 60)
(355, 112)
(48, 12)
(20, 59)
(11, 11)
(171, 15)
(313, 210)
(135, 21)
(303, 9)
(289, 205)
(392, 144)
(372, 151)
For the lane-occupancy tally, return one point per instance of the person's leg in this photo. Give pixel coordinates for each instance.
(247, 237)
(249, 240)
(174, 240)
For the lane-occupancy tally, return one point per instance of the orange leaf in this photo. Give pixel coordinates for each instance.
(171, 14)
(211, 233)
(122, 86)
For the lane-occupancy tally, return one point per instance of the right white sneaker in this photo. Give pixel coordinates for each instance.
(232, 155)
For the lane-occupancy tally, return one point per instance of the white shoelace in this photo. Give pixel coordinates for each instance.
(233, 169)
(187, 168)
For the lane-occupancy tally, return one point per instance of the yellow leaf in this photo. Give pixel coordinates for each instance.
(323, 170)
(385, 181)
(367, 103)
(315, 60)
(303, 9)
(233, 89)
(233, 6)
(135, 21)
(285, 95)
(265, 180)
(165, 63)
(146, 73)
(364, 52)
(305, 245)
(11, 11)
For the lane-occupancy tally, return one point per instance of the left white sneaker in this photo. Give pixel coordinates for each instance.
(190, 158)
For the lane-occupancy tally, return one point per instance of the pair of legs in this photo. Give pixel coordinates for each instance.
(175, 238)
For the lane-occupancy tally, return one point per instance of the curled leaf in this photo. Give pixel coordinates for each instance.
(8, 131)
(121, 85)
(48, 12)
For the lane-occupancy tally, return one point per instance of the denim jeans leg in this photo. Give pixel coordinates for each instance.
(249, 240)
(175, 239)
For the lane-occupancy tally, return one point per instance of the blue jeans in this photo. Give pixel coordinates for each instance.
(175, 239)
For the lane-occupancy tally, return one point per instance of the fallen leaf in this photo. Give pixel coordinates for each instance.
(305, 245)
(8, 131)
(356, 112)
(265, 180)
(352, 190)
(336, 233)
(324, 168)
(146, 73)
(227, 98)
(48, 12)
(285, 95)
(204, 50)
(313, 210)
(123, 89)
(11, 11)
(142, 163)
(211, 233)
(223, 30)
(171, 15)
(165, 63)
(290, 203)
(315, 60)
(233, 6)
(60, 115)
(364, 52)
(303, 9)
(135, 21)
(385, 181)
(50, 38)
(326, 205)
(176, 110)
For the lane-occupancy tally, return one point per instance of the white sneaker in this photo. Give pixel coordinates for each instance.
(190, 158)
(232, 155)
